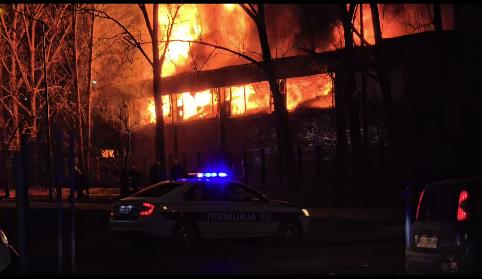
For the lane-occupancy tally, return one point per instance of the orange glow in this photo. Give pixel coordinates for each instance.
(186, 27)
(310, 91)
(198, 105)
(165, 109)
(107, 153)
(409, 19)
(229, 7)
(250, 99)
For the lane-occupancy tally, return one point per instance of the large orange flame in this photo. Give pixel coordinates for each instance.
(308, 92)
(186, 27)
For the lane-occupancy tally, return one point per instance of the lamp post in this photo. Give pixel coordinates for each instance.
(3, 10)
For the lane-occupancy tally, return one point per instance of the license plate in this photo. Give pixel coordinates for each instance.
(423, 241)
(125, 209)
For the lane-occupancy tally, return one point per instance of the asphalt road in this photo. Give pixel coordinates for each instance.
(335, 246)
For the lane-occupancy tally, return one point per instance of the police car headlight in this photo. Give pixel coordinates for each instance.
(4, 237)
(305, 211)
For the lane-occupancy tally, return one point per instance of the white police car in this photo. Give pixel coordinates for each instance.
(208, 206)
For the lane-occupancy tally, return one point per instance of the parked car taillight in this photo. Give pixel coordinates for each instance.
(419, 202)
(149, 209)
(462, 213)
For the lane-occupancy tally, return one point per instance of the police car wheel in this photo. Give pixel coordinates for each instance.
(288, 232)
(185, 234)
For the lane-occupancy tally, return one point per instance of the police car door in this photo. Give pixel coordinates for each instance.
(207, 208)
(249, 212)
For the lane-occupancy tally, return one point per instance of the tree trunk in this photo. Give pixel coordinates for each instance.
(88, 143)
(383, 75)
(341, 140)
(348, 87)
(13, 86)
(156, 82)
(280, 111)
(33, 91)
(437, 17)
(80, 142)
(364, 94)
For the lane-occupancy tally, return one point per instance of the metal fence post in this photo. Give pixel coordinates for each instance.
(318, 161)
(73, 186)
(263, 167)
(245, 166)
(300, 165)
(198, 160)
(20, 200)
(280, 167)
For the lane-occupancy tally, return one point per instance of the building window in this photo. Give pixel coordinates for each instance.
(107, 153)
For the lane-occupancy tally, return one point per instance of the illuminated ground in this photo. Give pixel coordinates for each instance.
(337, 245)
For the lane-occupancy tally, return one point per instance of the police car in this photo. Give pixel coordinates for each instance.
(207, 206)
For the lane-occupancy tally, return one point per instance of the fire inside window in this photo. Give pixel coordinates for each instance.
(107, 153)
(308, 92)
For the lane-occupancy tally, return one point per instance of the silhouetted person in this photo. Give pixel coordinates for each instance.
(134, 178)
(79, 182)
(177, 171)
(155, 172)
(124, 183)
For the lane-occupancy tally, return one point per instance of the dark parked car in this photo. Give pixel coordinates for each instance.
(446, 234)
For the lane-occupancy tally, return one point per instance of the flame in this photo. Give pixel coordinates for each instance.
(186, 27)
(249, 99)
(229, 7)
(166, 112)
(198, 105)
(408, 19)
(309, 92)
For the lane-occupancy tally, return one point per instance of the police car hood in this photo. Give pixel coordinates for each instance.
(288, 204)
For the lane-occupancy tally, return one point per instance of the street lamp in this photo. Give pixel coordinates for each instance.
(3, 9)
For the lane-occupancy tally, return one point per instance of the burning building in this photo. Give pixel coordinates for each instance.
(229, 109)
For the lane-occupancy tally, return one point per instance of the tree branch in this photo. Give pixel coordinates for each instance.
(222, 48)
(146, 18)
(248, 11)
(134, 41)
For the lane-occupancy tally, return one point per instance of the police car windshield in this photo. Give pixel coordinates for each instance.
(157, 190)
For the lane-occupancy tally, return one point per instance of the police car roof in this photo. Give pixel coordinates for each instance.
(207, 180)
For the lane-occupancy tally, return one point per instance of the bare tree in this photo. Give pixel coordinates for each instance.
(160, 46)
(121, 124)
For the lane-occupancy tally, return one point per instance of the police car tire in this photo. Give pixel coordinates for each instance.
(188, 229)
(292, 228)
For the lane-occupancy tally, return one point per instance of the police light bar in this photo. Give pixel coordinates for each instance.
(211, 174)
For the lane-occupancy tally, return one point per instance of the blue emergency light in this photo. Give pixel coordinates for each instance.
(211, 174)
